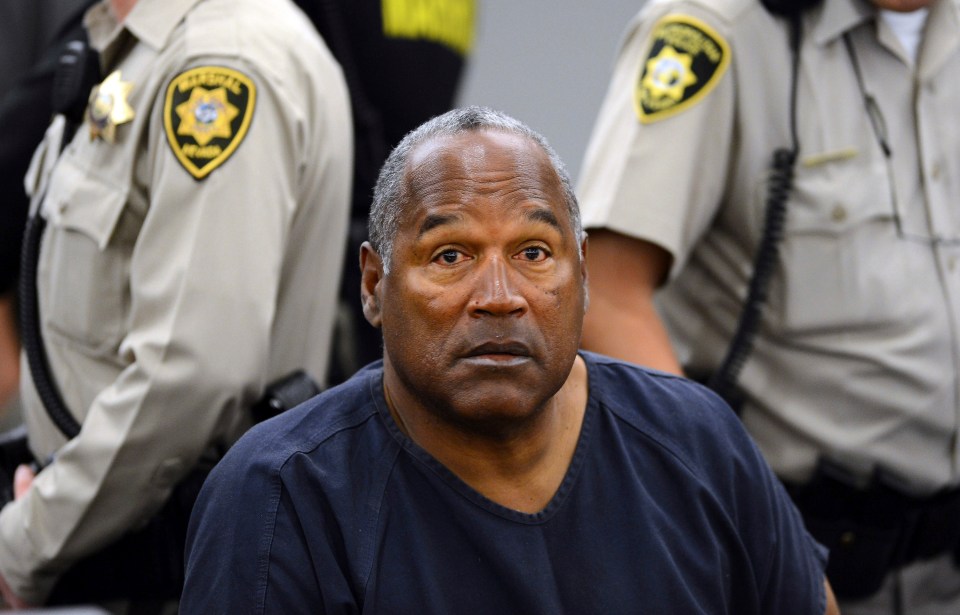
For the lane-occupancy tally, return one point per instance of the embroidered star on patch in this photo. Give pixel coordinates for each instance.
(686, 60)
(206, 115)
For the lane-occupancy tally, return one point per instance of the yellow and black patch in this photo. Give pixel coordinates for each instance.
(206, 114)
(686, 60)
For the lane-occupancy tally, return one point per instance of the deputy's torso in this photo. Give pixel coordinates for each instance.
(857, 355)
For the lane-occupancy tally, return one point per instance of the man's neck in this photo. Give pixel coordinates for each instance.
(520, 470)
(121, 8)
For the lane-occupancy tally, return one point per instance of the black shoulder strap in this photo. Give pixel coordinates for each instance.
(789, 7)
(724, 379)
(76, 74)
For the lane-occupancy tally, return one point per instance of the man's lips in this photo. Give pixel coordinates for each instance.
(507, 351)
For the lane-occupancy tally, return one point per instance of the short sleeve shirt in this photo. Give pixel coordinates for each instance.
(856, 357)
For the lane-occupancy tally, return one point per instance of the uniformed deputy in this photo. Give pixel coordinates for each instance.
(195, 229)
(851, 388)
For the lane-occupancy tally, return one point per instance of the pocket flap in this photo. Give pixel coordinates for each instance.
(838, 197)
(83, 201)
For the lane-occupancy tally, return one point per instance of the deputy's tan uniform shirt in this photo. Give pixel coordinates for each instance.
(168, 302)
(857, 357)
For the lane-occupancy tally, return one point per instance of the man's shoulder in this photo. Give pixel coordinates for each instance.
(680, 416)
(324, 425)
(622, 382)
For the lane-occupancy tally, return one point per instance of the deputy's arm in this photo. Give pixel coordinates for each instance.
(203, 281)
(621, 320)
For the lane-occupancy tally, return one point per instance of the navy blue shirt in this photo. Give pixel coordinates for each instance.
(667, 507)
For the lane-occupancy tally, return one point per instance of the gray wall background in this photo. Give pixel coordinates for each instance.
(547, 64)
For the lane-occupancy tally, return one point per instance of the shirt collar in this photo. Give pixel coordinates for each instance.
(150, 21)
(101, 26)
(834, 17)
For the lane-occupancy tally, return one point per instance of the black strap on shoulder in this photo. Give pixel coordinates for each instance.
(77, 72)
(780, 185)
(789, 7)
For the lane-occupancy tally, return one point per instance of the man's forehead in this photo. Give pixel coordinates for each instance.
(476, 151)
(443, 171)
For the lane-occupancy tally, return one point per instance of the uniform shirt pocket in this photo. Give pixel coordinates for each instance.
(83, 270)
(841, 266)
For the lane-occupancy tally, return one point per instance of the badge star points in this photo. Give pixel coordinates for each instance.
(108, 107)
(206, 115)
(669, 74)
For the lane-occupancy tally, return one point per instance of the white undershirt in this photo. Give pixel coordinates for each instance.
(908, 27)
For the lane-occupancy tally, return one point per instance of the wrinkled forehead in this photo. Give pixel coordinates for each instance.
(492, 163)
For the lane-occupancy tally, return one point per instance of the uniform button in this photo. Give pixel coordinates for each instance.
(62, 207)
(935, 171)
(952, 263)
(839, 213)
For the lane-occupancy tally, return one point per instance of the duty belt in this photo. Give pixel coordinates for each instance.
(874, 530)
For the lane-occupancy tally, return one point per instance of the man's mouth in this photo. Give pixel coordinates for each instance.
(499, 353)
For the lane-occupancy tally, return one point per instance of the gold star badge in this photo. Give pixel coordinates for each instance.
(686, 60)
(108, 107)
(206, 115)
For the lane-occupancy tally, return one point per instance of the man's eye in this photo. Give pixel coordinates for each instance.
(533, 254)
(449, 257)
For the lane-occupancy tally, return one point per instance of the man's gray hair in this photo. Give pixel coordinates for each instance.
(389, 195)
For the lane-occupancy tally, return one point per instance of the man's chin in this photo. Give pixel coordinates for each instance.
(498, 402)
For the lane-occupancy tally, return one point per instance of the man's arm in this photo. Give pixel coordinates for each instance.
(9, 351)
(832, 607)
(622, 321)
(650, 188)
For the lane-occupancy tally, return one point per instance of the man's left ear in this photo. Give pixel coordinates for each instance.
(371, 274)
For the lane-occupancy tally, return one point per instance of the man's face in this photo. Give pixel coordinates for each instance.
(902, 6)
(483, 306)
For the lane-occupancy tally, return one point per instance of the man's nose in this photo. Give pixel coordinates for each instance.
(495, 292)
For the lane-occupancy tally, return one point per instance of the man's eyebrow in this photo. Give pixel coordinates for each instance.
(432, 221)
(544, 215)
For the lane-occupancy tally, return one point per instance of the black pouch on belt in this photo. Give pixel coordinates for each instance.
(873, 530)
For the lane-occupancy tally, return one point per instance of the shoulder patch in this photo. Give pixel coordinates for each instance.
(686, 60)
(206, 114)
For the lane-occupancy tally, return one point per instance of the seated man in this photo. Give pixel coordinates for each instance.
(485, 466)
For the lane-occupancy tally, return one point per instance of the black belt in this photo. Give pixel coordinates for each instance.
(876, 529)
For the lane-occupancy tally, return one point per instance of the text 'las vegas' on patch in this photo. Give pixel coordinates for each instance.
(206, 114)
(686, 60)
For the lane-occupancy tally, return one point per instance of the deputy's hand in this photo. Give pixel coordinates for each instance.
(10, 599)
(22, 479)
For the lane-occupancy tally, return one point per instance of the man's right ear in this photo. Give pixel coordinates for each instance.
(371, 274)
